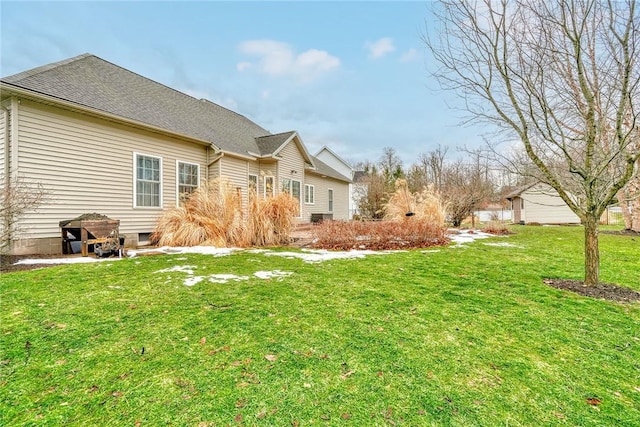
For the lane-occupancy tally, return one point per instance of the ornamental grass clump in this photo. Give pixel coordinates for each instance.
(213, 216)
(425, 206)
(270, 221)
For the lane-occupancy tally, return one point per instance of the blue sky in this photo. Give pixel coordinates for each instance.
(349, 75)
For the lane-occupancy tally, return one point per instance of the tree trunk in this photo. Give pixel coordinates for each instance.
(591, 251)
(635, 214)
(624, 206)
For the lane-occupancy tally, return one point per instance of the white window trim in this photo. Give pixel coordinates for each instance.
(178, 177)
(249, 182)
(310, 202)
(135, 181)
(331, 200)
(300, 195)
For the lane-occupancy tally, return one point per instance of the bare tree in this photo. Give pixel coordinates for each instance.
(562, 77)
(465, 186)
(390, 165)
(17, 198)
(371, 191)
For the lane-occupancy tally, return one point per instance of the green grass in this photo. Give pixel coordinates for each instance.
(467, 336)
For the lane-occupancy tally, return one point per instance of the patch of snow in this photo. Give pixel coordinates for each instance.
(70, 260)
(190, 281)
(224, 278)
(430, 251)
(460, 237)
(180, 268)
(319, 255)
(271, 274)
(503, 244)
(203, 250)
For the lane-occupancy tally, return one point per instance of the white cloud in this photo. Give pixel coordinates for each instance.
(380, 47)
(278, 59)
(409, 55)
(243, 66)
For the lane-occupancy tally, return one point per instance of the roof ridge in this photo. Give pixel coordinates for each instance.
(47, 67)
(16, 78)
(276, 134)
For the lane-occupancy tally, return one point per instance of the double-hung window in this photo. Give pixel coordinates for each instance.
(188, 175)
(330, 200)
(148, 177)
(309, 194)
(253, 184)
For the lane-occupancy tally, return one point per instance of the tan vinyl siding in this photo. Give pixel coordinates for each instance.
(292, 167)
(236, 171)
(87, 165)
(542, 204)
(340, 197)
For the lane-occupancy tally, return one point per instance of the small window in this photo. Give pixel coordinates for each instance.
(330, 200)
(188, 175)
(148, 185)
(286, 185)
(295, 189)
(268, 186)
(309, 194)
(253, 184)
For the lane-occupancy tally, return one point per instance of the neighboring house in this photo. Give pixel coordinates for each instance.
(103, 139)
(359, 189)
(540, 203)
(334, 161)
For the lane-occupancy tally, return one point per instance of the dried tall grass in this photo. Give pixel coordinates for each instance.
(425, 206)
(213, 216)
(270, 221)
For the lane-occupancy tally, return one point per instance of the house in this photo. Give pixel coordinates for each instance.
(100, 138)
(336, 162)
(540, 203)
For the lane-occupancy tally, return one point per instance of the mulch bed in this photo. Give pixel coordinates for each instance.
(8, 262)
(601, 291)
(625, 232)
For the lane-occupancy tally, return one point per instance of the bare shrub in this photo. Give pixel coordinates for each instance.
(18, 197)
(378, 235)
(496, 227)
(412, 220)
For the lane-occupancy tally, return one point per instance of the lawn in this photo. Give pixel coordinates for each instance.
(460, 335)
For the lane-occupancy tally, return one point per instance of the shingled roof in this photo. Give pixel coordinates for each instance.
(92, 82)
(323, 169)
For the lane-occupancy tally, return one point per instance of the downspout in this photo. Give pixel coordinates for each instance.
(7, 173)
(7, 144)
